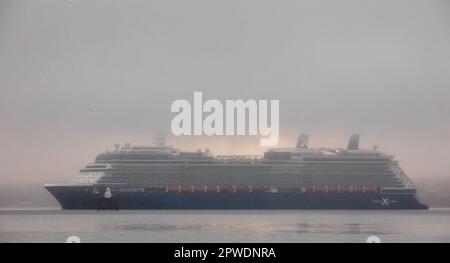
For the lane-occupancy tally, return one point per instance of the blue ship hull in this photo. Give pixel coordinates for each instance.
(83, 197)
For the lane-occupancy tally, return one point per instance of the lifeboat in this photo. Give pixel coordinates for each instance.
(258, 188)
(226, 188)
(212, 189)
(321, 189)
(200, 189)
(371, 189)
(172, 188)
(187, 189)
(334, 189)
(242, 189)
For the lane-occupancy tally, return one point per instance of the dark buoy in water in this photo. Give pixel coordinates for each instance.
(107, 201)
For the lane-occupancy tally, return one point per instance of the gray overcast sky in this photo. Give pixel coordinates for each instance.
(78, 75)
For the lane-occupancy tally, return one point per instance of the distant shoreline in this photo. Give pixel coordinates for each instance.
(53, 209)
(28, 208)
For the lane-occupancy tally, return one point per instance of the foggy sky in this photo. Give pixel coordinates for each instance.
(78, 75)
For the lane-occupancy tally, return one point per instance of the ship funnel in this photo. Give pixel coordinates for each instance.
(302, 141)
(353, 143)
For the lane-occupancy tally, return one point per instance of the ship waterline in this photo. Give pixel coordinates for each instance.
(163, 177)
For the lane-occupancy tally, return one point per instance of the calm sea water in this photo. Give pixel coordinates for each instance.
(225, 226)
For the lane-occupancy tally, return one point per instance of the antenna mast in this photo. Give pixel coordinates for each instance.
(159, 139)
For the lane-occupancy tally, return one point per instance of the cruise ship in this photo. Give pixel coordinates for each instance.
(164, 177)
